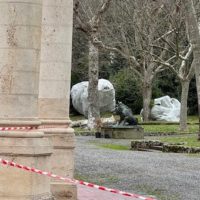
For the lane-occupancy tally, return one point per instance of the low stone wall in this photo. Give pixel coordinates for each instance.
(137, 144)
(142, 145)
(180, 149)
(123, 132)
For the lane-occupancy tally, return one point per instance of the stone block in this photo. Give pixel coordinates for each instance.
(62, 159)
(63, 191)
(21, 104)
(48, 108)
(54, 52)
(123, 132)
(29, 149)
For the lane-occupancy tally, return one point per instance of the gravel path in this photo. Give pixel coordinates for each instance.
(168, 176)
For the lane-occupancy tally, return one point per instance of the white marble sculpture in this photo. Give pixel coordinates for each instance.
(79, 95)
(166, 109)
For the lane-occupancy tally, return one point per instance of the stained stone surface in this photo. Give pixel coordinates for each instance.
(55, 66)
(29, 149)
(166, 109)
(20, 32)
(54, 91)
(79, 95)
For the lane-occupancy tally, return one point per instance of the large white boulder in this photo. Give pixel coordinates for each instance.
(79, 95)
(166, 109)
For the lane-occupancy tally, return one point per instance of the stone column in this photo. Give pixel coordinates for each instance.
(20, 33)
(54, 89)
(29, 149)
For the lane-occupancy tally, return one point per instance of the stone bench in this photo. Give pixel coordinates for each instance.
(123, 132)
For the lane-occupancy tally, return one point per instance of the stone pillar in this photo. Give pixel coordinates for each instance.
(20, 33)
(54, 89)
(29, 149)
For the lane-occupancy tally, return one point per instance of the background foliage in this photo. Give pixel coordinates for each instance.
(128, 88)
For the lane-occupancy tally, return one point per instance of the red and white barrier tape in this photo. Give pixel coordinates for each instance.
(20, 128)
(26, 128)
(49, 174)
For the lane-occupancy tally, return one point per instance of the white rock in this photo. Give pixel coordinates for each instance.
(79, 95)
(166, 109)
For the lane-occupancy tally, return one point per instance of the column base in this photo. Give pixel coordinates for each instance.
(63, 191)
(62, 160)
(62, 138)
(29, 149)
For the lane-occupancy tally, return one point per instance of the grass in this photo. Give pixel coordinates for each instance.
(111, 146)
(189, 141)
(163, 127)
(160, 127)
(158, 193)
(81, 177)
(114, 146)
(168, 128)
(193, 155)
(193, 119)
(99, 179)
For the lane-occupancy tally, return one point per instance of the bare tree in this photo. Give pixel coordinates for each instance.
(136, 30)
(184, 71)
(180, 62)
(88, 15)
(194, 35)
(153, 37)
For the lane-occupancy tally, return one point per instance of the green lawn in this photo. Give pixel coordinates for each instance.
(155, 127)
(190, 141)
(193, 119)
(161, 194)
(99, 179)
(168, 128)
(114, 146)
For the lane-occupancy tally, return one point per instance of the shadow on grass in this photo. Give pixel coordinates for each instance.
(159, 193)
(98, 179)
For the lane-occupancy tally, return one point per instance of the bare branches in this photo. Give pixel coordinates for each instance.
(146, 34)
(96, 41)
(92, 24)
(104, 7)
(169, 66)
(81, 24)
(184, 59)
(164, 35)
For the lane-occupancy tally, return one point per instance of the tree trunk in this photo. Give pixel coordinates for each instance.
(184, 98)
(194, 36)
(197, 75)
(147, 95)
(93, 96)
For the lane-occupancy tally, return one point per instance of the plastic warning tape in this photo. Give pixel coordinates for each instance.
(26, 128)
(20, 128)
(49, 174)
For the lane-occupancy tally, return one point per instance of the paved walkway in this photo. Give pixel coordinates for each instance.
(86, 193)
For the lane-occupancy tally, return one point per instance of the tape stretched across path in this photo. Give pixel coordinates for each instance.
(20, 128)
(49, 174)
(28, 128)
